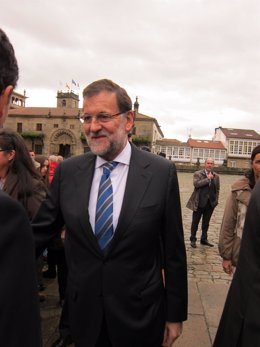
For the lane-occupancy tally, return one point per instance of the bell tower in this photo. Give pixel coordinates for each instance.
(67, 99)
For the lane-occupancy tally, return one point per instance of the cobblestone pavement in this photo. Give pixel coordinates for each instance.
(206, 278)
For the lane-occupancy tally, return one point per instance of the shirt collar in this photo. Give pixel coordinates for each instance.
(123, 157)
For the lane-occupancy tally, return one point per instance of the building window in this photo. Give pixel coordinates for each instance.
(19, 127)
(240, 147)
(72, 126)
(38, 149)
(168, 151)
(223, 154)
(181, 152)
(63, 103)
(39, 127)
(55, 125)
(233, 163)
(163, 149)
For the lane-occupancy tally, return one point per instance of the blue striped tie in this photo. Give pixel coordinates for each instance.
(104, 209)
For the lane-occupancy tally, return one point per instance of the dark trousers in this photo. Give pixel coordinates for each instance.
(205, 213)
(56, 257)
(103, 340)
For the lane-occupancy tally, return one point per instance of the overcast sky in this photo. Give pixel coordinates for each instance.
(194, 64)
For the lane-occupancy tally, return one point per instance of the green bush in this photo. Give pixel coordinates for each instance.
(32, 135)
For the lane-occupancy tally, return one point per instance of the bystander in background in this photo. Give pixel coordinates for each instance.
(235, 214)
(203, 201)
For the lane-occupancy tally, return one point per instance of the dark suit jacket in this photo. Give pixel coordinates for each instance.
(19, 307)
(202, 191)
(240, 323)
(124, 285)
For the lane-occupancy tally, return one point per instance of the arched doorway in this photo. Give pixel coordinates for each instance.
(64, 150)
(63, 143)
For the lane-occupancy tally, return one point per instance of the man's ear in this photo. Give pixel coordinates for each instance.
(4, 103)
(130, 120)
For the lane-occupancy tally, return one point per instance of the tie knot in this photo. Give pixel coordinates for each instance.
(109, 166)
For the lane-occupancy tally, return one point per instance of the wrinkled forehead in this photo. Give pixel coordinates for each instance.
(101, 100)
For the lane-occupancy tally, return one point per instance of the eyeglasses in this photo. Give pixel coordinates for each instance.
(99, 118)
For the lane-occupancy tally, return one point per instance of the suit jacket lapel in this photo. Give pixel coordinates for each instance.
(83, 179)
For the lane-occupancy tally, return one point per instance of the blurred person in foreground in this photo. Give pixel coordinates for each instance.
(56, 253)
(21, 180)
(19, 306)
(235, 214)
(240, 324)
(43, 169)
(118, 203)
(203, 201)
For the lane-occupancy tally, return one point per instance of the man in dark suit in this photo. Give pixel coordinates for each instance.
(240, 325)
(19, 307)
(203, 201)
(116, 295)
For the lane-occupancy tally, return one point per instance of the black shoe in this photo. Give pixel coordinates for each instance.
(206, 243)
(62, 342)
(49, 274)
(193, 244)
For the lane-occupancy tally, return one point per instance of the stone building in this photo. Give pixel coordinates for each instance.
(51, 130)
(146, 129)
(57, 130)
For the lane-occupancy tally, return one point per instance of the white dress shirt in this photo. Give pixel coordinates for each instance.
(118, 179)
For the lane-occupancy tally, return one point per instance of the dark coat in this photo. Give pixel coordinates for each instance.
(34, 201)
(126, 283)
(202, 189)
(19, 306)
(240, 322)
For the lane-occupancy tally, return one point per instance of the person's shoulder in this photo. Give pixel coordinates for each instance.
(241, 184)
(77, 159)
(199, 172)
(152, 158)
(16, 231)
(6, 199)
(10, 205)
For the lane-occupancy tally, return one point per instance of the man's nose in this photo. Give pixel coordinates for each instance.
(94, 125)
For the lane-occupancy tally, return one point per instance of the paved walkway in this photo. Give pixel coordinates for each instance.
(208, 284)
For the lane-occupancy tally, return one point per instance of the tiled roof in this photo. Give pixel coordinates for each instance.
(240, 133)
(44, 111)
(205, 144)
(171, 142)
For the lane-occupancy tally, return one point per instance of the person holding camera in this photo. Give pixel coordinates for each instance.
(203, 200)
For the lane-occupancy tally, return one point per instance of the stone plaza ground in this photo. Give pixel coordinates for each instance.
(208, 284)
